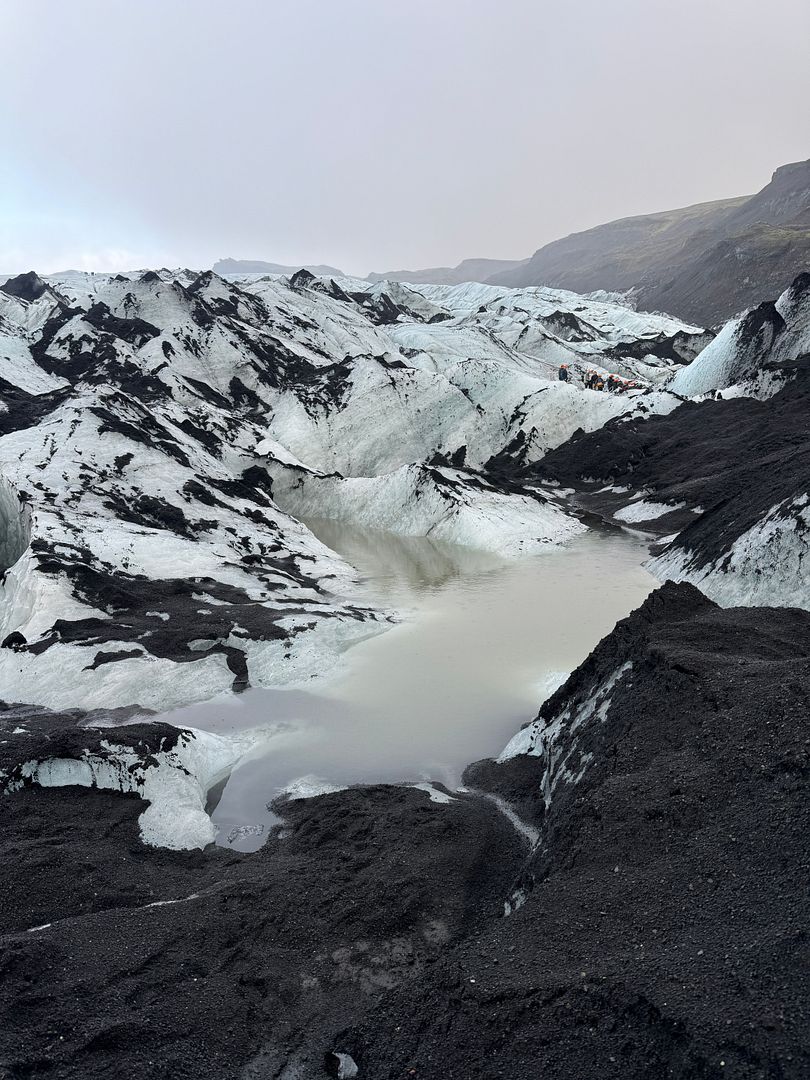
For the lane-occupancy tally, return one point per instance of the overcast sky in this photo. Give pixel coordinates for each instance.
(374, 134)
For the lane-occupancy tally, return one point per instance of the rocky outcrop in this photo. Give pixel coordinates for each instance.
(28, 286)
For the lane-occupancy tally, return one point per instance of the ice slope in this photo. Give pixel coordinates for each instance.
(148, 558)
(155, 574)
(362, 380)
(454, 505)
(457, 370)
(756, 353)
(765, 566)
(159, 570)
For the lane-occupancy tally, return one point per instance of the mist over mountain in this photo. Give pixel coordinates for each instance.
(254, 266)
(468, 270)
(703, 263)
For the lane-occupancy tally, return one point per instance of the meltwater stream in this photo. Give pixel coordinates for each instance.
(484, 642)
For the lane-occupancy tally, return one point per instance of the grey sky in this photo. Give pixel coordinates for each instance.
(378, 135)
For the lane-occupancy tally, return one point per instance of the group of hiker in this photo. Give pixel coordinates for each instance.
(612, 384)
(596, 380)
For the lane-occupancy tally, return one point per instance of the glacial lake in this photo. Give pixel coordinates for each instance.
(483, 643)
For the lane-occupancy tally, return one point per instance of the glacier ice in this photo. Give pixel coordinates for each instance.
(166, 430)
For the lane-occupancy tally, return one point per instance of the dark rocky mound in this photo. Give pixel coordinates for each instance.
(48, 735)
(22, 409)
(734, 459)
(28, 286)
(665, 934)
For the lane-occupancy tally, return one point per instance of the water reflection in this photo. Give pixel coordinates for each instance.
(392, 564)
(484, 642)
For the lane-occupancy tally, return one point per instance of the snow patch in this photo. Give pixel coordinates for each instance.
(436, 795)
(310, 786)
(346, 1067)
(646, 511)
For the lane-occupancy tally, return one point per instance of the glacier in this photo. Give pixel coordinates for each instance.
(162, 433)
(164, 439)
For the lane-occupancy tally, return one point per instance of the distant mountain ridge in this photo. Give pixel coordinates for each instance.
(703, 263)
(615, 255)
(467, 270)
(256, 266)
